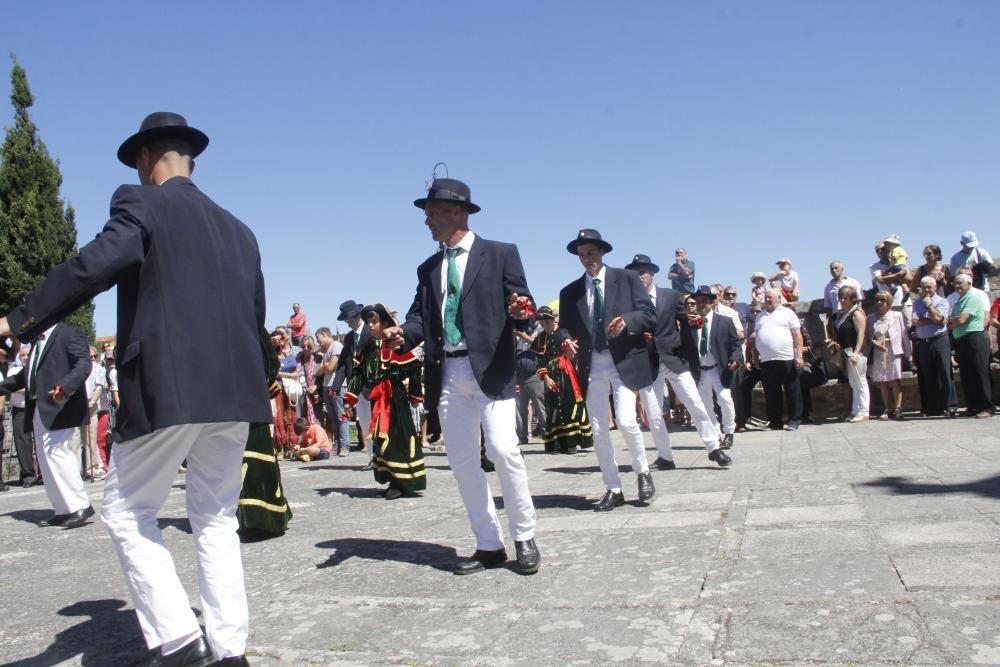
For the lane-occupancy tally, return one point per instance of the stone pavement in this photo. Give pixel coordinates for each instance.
(861, 544)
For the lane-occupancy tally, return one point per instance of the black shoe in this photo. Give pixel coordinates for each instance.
(194, 654)
(792, 426)
(234, 661)
(664, 464)
(719, 457)
(4, 487)
(57, 520)
(528, 558)
(480, 561)
(610, 501)
(571, 450)
(522, 441)
(487, 465)
(727, 441)
(29, 482)
(393, 493)
(370, 466)
(79, 517)
(646, 488)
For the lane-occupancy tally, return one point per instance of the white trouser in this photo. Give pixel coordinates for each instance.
(687, 393)
(140, 475)
(604, 381)
(710, 379)
(857, 376)
(60, 467)
(363, 412)
(463, 408)
(652, 403)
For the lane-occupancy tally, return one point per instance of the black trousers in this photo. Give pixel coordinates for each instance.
(937, 387)
(973, 351)
(25, 446)
(781, 379)
(744, 409)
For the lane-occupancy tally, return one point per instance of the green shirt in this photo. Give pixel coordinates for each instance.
(972, 305)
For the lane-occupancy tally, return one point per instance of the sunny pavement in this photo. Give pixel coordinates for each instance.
(843, 544)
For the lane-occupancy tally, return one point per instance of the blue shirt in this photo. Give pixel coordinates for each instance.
(684, 285)
(920, 310)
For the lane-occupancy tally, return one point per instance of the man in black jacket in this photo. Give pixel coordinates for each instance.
(186, 269)
(55, 407)
(719, 354)
(468, 297)
(607, 311)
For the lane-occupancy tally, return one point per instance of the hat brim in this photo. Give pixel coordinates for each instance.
(971, 244)
(600, 243)
(197, 139)
(469, 206)
(383, 313)
(639, 266)
(343, 317)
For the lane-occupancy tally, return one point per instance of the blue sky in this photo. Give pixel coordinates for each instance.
(743, 131)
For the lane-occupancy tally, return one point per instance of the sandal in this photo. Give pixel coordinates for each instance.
(856, 419)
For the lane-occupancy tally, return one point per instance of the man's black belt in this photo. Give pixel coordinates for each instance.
(708, 368)
(930, 338)
(457, 354)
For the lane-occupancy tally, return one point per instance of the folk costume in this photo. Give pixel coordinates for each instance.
(393, 382)
(567, 425)
(263, 511)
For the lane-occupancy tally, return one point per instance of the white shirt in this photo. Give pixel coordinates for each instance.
(831, 297)
(652, 293)
(726, 311)
(95, 379)
(773, 334)
(336, 347)
(707, 359)
(461, 261)
(36, 349)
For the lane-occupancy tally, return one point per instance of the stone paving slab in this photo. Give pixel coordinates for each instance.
(867, 544)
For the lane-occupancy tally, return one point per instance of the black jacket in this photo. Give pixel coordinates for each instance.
(723, 342)
(668, 348)
(190, 306)
(624, 296)
(65, 361)
(345, 365)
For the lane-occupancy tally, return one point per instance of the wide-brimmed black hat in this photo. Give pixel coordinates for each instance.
(546, 313)
(349, 309)
(705, 290)
(450, 190)
(588, 236)
(641, 262)
(161, 125)
(383, 313)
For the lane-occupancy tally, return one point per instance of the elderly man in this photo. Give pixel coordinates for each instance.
(932, 350)
(975, 257)
(177, 400)
(608, 311)
(831, 298)
(681, 272)
(967, 324)
(718, 356)
(469, 296)
(778, 349)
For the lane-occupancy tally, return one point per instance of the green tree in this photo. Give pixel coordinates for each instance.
(37, 230)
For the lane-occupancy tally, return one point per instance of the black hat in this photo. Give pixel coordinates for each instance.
(546, 313)
(705, 290)
(640, 262)
(383, 313)
(161, 125)
(349, 309)
(588, 236)
(450, 190)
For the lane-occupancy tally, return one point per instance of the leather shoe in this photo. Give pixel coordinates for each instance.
(727, 441)
(610, 501)
(232, 661)
(664, 464)
(719, 457)
(56, 520)
(79, 517)
(646, 488)
(528, 558)
(480, 561)
(193, 654)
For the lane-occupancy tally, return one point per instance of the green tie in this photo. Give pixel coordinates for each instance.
(703, 347)
(452, 312)
(33, 372)
(600, 335)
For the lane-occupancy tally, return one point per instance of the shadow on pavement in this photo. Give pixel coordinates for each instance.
(436, 556)
(556, 501)
(109, 636)
(988, 486)
(352, 492)
(31, 516)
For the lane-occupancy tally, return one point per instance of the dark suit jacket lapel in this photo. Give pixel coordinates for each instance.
(477, 258)
(581, 304)
(436, 284)
(50, 343)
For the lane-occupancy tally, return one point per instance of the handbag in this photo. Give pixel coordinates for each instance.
(293, 390)
(980, 270)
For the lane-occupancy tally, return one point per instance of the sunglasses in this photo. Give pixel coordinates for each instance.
(729, 295)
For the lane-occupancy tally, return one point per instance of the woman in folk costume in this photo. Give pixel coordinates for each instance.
(263, 510)
(567, 424)
(393, 381)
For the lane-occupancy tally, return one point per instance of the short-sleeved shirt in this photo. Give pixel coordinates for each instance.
(97, 378)
(315, 435)
(773, 331)
(831, 293)
(931, 330)
(685, 285)
(335, 349)
(971, 304)
(790, 282)
(297, 323)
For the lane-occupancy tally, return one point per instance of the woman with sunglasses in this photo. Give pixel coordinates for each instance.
(935, 268)
(887, 343)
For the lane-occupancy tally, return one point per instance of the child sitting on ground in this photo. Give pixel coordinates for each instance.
(314, 443)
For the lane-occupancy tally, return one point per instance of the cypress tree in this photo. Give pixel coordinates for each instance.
(37, 230)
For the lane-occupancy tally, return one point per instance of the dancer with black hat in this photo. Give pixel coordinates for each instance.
(177, 400)
(468, 297)
(607, 311)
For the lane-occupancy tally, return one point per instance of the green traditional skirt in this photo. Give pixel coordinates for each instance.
(263, 511)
